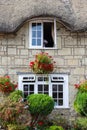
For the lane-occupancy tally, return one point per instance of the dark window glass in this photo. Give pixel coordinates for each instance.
(31, 87)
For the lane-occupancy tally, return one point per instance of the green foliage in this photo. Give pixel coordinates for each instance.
(16, 127)
(16, 95)
(81, 123)
(82, 86)
(80, 103)
(14, 112)
(6, 85)
(40, 104)
(54, 127)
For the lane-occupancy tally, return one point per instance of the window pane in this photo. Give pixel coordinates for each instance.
(38, 34)
(38, 26)
(55, 101)
(54, 87)
(38, 42)
(33, 26)
(60, 102)
(54, 95)
(60, 95)
(40, 87)
(33, 34)
(31, 92)
(46, 93)
(25, 94)
(46, 78)
(60, 87)
(40, 78)
(34, 42)
(31, 87)
(45, 87)
(25, 87)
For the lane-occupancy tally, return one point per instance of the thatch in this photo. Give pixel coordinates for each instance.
(13, 13)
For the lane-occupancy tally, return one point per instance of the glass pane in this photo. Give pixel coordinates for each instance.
(60, 87)
(54, 95)
(39, 42)
(33, 26)
(33, 34)
(31, 92)
(60, 95)
(25, 87)
(34, 42)
(38, 34)
(46, 93)
(60, 102)
(40, 87)
(25, 94)
(46, 78)
(54, 87)
(45, 87)
(38, 26)
(40, 92)
(31, 87)
(40, 78)
(55, 102)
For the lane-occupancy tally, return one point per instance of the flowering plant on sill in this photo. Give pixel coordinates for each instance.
(43, 64)
(82, 86)
(6, 86)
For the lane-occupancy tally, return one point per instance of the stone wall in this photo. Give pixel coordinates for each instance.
(70, 56)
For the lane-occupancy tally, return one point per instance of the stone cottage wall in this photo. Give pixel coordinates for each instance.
(70, 57)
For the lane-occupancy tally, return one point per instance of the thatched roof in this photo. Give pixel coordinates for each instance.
(13, 13)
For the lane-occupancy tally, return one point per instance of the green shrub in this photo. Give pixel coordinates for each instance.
(14, 113)
(16, 127)
(16, 95)
(54, 127)
(40, 104)
(81, 123)
(80, 103)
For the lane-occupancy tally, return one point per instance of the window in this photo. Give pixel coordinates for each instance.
(55, 85)
(42, 34)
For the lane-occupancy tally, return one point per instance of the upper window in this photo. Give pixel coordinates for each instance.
(42, 34)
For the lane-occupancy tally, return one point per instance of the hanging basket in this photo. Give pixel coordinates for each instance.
(43, 64)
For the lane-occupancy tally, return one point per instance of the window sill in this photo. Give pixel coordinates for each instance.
(42, 48)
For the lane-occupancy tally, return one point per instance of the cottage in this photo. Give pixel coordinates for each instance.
(56, 27)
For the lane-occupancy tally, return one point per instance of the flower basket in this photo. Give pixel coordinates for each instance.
(43, 64)
(6, 86)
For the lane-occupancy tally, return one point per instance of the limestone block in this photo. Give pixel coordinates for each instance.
(6, 60)
(72, 62)
(64, 51)
(78, 71)
(19, 61)
(23, 52)
(11, 51)
(79, 51)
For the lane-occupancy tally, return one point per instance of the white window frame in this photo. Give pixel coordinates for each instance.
(65, 86)
(30, 33)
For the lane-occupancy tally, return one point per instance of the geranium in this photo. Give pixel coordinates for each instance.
(6, 86)
(43, 63)
(82, 86)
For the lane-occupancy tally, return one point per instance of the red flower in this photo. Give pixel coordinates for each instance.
(40, 123)
(31, 64)
(77, 85)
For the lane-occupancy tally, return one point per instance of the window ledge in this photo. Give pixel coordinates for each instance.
(20, 73)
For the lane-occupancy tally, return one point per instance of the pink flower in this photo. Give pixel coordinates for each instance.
(31, 64)
(77, 85)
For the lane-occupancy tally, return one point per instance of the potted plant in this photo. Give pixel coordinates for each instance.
(43, 64)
